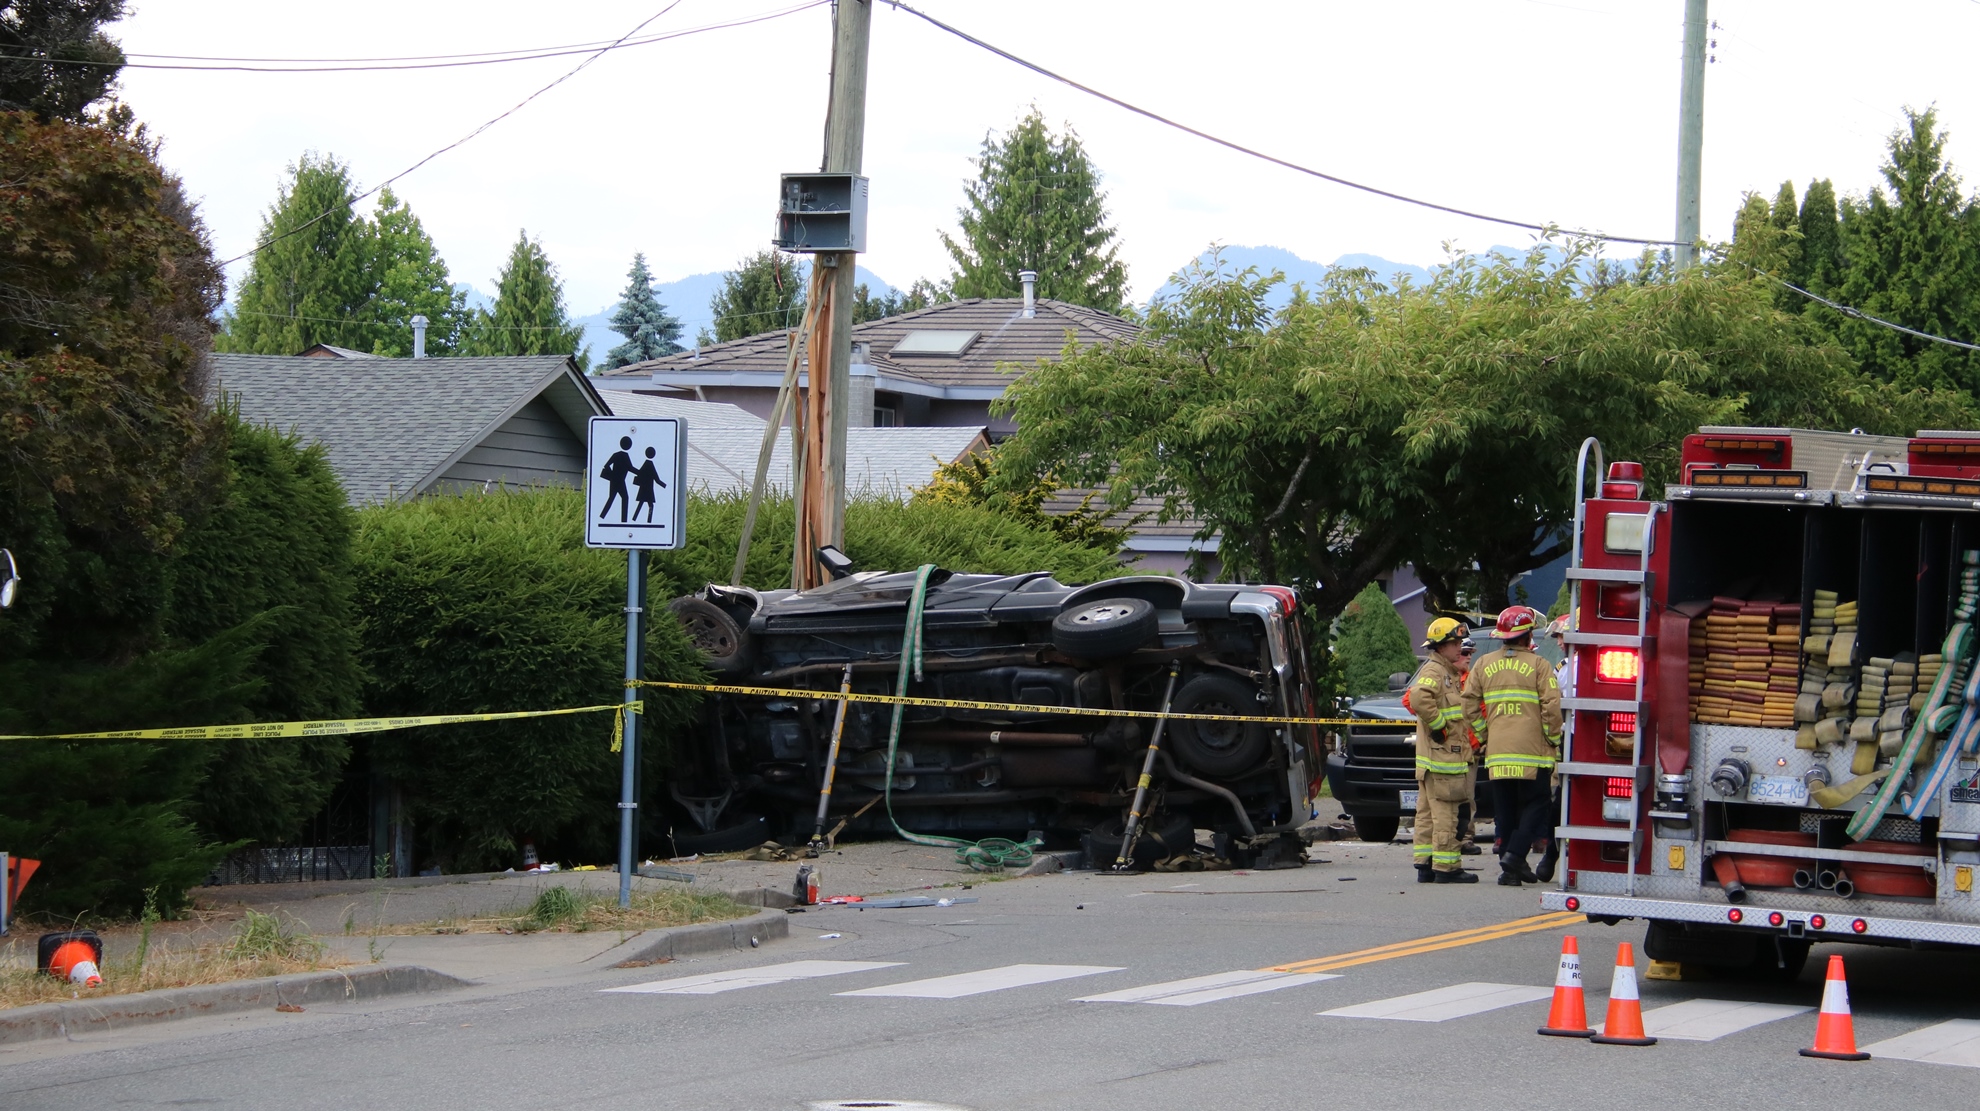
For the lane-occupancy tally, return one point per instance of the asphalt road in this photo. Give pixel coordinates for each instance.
(566, 1043)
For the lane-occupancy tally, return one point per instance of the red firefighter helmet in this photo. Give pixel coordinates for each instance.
(1517, 621)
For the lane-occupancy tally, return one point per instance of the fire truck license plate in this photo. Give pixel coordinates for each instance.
(1409, 800)
(1783, 790)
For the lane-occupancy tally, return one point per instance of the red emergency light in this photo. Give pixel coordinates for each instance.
(1622, 721)
(1620, 787)
(1617, 665)
(1625, 482)
(1620, 602)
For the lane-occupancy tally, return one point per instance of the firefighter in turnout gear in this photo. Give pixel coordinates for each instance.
(1513, 702)
(1443, 756)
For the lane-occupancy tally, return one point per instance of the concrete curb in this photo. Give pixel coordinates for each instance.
(113, 1012)
(707, 937)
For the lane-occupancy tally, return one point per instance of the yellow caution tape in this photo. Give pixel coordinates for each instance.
(1008, 707)
(273, 729)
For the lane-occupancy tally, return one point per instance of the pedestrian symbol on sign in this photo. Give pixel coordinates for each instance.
(631, 461)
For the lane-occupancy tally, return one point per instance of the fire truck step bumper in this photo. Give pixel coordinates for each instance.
(1840, 926)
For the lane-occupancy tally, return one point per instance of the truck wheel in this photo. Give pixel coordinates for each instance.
(716, 635)
(1219, 748)
(1103, 629)
(1377, 831)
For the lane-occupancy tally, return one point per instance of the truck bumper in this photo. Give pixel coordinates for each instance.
(1839, 926)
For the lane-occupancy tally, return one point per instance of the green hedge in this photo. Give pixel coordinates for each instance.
(491, 602)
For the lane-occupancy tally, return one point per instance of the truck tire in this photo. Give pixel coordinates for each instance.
(1376, 831)
(746, 832)
(1220, 749)
(719, 638)
(1104, 628)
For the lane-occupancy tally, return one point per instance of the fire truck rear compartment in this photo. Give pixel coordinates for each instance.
(1901, 567)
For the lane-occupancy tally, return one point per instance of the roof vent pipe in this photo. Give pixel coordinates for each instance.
(419, 336)
(1030, 280)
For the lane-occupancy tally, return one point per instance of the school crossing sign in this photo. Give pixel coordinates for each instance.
(635, 491)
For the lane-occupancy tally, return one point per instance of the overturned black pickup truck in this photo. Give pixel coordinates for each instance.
(754, 769)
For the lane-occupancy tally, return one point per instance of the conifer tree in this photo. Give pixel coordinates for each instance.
(529, 316)
(311, 276)
(763, 294)
(410, 279)
(649, 330)
(1821, 239)
(1371, 642)
(55, 60)
(1036, 205)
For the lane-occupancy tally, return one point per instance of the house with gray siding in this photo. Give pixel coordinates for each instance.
(396, 429)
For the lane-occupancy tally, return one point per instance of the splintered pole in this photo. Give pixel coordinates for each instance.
(822, 509)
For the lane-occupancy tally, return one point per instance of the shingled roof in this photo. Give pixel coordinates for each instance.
(1004, 335)
(395, 428)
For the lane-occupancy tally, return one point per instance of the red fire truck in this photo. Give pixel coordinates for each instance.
(1774, 718)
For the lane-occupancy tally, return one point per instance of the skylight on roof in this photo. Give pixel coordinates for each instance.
(930, 341)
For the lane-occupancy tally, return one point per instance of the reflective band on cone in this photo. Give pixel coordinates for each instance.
(85, 973)
(1835, 1034)
(1568, 1018)
(1624, 1024)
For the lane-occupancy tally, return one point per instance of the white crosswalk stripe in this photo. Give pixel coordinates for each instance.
(1444, 1004)
(988, 980)
(713, 982)
(1949, 1043)
(1706, 1020)
(1209, 989)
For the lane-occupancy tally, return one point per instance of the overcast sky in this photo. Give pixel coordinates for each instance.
(1537, 110)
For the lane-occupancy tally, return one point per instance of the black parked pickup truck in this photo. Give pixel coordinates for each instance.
(754, 768)
(1373, 775)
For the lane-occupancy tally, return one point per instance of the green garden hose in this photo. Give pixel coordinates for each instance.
(992, 854)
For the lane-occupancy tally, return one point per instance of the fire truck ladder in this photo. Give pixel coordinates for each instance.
(1642, 640)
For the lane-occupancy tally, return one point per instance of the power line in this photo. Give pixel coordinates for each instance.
(1859, 314)
(1276, 161)
(368, 65)
(573, 72)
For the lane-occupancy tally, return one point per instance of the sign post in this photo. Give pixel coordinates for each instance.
(636, 499)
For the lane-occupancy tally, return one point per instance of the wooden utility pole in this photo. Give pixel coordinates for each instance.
(1691, 132)
(828, 352)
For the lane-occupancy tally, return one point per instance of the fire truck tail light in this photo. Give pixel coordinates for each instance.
(1860, 926)
(1735, 915)
(1620, 787)
(1620, 602)
(1621, 721)
(1816, 922)
(1573, 903)
(1776, 918)
(1617, 665)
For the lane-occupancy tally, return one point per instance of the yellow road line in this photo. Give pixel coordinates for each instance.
(1455, 940)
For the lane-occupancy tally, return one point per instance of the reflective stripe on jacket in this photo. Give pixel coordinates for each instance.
(1513, 702)
(1439, 708)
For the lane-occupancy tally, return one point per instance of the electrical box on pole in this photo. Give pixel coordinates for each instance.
(821, 212)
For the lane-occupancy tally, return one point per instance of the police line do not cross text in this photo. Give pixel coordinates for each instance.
(635, 490)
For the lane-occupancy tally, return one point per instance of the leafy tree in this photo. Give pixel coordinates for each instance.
(55, 60)
(1371, 642)
(649, 330)
(1364, 426)
(762, 294)
(920, 295)
(1036, 205)
(311, 278)
(529, 316)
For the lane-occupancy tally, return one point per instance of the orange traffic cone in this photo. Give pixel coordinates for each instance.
(1835, 1034)
(1624, 1026)
(1569, 1016)
(75, 961)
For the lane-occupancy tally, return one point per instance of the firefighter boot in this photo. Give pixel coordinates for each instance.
(1545, 872)
(1509, 871)
(1459, 876)
(1425, 873)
